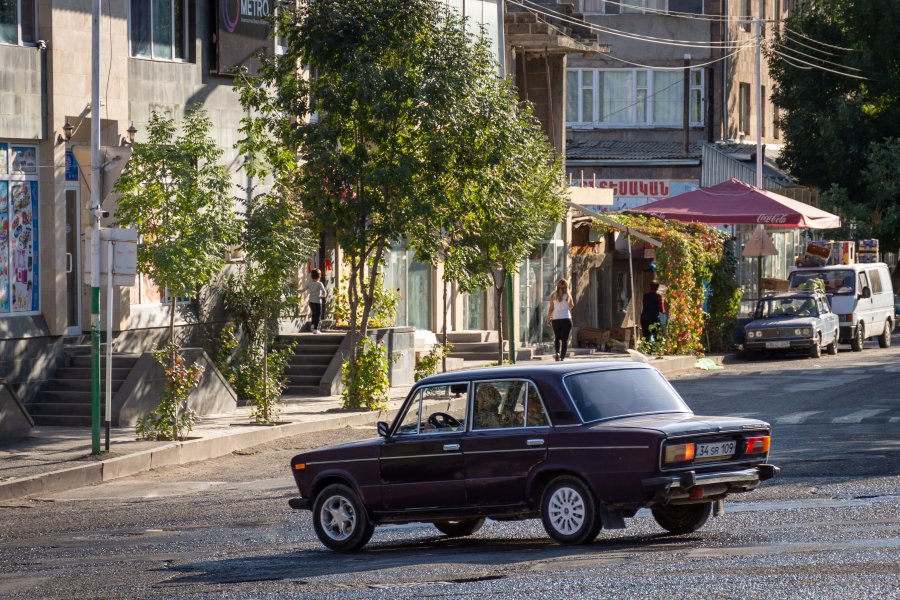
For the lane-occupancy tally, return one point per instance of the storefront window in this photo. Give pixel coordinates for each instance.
(412, 279)
(538, 275)
(19, 281)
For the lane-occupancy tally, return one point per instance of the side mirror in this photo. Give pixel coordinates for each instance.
(866, 292)
(383, 428)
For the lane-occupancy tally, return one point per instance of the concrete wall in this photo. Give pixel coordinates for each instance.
(20, 92)
(15, 422)
(29, 356)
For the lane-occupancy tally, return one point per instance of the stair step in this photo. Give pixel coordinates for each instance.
(299, 360)
(305, 370)
(120, 361)
(301, 390)
(80, 385)
(61, 408)
(85, 373)
(308, 348)
(320, 338)
(64, 396)
(62, 421)
(472, 336)
(466, 347)
(305, 380)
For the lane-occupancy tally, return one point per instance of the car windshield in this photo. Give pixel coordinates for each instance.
(787, 307)
(615, 393)
(839, 282)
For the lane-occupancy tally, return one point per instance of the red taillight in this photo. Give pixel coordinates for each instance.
(679, 453)
(758, 445)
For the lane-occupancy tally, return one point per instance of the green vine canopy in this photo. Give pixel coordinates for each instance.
(693, 258)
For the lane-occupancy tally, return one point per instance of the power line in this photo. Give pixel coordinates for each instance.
(693, 66)
(789, 58)
(806, 37)
(788, 48)
(672, 13)
(813, 48)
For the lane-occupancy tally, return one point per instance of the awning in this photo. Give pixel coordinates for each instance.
(735, 202)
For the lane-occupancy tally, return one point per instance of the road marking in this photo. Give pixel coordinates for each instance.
(795, 418)
(858, 416)
(894, 420)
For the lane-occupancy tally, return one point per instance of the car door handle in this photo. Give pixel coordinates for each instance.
(69, 262)
(535, 442)
(451, 447)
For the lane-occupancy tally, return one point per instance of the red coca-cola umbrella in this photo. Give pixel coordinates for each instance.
(735, 202)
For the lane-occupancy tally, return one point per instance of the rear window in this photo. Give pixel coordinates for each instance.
(615, 393)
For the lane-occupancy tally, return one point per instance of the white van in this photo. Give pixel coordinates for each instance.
(862, 296)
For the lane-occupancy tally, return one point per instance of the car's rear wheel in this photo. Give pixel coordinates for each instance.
(884, 340)
(856, 344)
(684, 518)
(815, 351)
(340, 519)
(569, 511)
(459, 528)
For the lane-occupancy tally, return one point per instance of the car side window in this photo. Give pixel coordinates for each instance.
(507, 404)
(875, 278)
(862, 282)
(435, 409)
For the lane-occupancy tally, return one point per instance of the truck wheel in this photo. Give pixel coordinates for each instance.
(340, 519)
(685, 518)
(884, 340)
(569, 511)
(815, 351)
(856, 344)
(832, 348)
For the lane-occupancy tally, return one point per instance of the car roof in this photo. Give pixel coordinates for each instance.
(532, 371)
(792, 294)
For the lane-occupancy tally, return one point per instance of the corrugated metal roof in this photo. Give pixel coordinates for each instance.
(622, 150)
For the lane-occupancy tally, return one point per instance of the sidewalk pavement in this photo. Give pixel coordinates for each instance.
(54, 459)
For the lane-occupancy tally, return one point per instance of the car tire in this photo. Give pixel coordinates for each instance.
(884, 340)
(856, 344)
(684, 518)
(832, 348)
(460, 528)
(569, 511)
(815, 351)
(340, 519)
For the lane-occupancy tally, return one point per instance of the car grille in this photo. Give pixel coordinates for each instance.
(769, 334)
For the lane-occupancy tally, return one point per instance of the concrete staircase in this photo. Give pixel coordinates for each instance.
(546, 17)
(312, 355)
(66, 401)
(480, 345)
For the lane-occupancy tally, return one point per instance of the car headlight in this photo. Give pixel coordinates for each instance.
(807, 331)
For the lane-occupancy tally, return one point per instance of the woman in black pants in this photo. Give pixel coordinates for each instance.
(560, 316)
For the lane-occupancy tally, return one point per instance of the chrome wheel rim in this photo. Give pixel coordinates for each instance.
(338, 518)
(566, 510)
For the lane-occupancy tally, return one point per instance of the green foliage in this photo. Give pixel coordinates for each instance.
(178, 197)
(384, 304)
(260, 387)
(428, 363)
(655, 345)
(837, 128)
(691, 253)
(172, 419)
(724, 301)
(365, 378)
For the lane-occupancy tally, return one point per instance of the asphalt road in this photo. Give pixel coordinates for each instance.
(829, 527)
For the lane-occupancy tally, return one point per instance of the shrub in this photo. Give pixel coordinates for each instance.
(427, 364)
(173, 419)
(366, 380)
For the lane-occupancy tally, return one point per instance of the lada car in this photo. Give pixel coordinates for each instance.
(581, 445)
(793, 320)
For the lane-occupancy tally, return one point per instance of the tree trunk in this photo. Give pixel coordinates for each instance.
(171, 324)
(444, 330)
(265, 365)
(498, 311)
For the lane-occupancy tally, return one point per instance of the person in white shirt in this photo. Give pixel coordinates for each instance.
(317, 294)
(560, 317)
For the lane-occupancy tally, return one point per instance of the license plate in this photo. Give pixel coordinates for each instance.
(714, 450)
(780, 344)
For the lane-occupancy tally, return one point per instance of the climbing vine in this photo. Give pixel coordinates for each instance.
(692, 256)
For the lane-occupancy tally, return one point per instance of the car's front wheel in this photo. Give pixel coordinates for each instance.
(569, 511)
(856, 344)
(460, 528)
(815, 351)
(884, 340)
(340, 519)
(684, 518)
(832, 348)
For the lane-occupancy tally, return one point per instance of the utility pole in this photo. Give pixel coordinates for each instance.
(95, 230)
(759, 106)
(686, 105)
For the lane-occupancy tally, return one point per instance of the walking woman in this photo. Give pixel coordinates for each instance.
(560, 316)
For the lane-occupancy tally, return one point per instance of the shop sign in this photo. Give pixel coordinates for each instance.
(242, 30)
(632, 193)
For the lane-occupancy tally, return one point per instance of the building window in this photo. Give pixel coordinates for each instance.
(744, 108)
(19, 264)
(159, 29)
(611, 7)
(17, 22)
(632, 98)
(745, 13)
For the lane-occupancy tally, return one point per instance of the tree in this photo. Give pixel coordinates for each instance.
(391, 86)
(178, 197)
(835, 65)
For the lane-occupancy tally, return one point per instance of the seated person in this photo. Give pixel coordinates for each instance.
(807, 309)
(487, 404)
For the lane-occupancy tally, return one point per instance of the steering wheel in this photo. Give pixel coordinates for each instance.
(443, 420)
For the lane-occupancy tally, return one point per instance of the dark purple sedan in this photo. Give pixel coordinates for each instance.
(581, 445)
